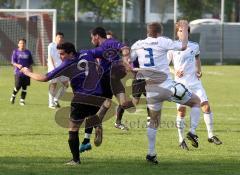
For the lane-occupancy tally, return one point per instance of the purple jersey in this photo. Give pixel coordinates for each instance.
(135, 63)
(108, 52)
(83, 73)
(22, 57)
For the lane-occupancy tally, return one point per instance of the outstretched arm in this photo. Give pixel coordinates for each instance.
(35, 76)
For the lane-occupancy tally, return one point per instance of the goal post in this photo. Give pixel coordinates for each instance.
(37, 26)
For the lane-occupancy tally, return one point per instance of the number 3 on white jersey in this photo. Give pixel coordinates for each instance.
(150, 56)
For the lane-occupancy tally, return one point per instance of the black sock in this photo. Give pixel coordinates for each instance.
(73, 142)
(23, 95)
(89, 130)
(85, 141)
(24, 92)
(15, 91)
(148, 112)
(120, 112)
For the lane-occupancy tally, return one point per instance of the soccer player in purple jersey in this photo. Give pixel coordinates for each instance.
(21, 57)
(85, 76)
(138, 89)
(114, 65)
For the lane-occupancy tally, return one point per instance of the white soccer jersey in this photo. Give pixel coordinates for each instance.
(152, 53)
(185, 61)
(53, 56)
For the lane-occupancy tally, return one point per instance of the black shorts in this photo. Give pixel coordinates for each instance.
(138, 88)
(22, 81)
(106, 87)
(81, 111)
(111, 86)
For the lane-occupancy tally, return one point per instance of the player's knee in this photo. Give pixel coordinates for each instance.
(195, 101)
(107, 103)
(154, 123)
(73, 135)
(206, 107)
(181, 111)
(154, 119)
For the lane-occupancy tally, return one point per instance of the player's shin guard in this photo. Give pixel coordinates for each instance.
(195, 116)
(180, 123)
(73, 142)
(15, 91)
(23, 94)
(120, 112)
(151, 133)
(208, 118)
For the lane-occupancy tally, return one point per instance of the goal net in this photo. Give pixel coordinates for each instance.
(37, 26)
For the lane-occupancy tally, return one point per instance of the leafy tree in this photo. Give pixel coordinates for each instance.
(7, 4)
(194, 9)
(102, 9)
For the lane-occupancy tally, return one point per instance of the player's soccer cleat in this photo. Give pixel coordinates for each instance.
(12, 100)
(152, 159)
(214, 140)
(121, 126)
(85, 147)
(22, 102)
(73, 162)
(57, 105)
(193, 138)
(183, 145)
(98, 135)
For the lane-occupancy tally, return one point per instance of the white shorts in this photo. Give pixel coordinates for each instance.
(157, 93)
(199, 91)
(59, 79)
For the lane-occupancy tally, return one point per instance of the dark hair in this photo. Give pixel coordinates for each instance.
(22, 39)
(109, 32)
(59, 33)
(67, 47)
(99, 31)
(154, 29)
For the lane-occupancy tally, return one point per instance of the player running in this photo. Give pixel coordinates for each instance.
(187, 69)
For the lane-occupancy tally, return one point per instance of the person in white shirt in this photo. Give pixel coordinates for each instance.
(53, 62)
(187, 70)
(154, 68)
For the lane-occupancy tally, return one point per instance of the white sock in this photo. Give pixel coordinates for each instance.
(148, 120)
(60, 93)
(208, 118)
(50, 99)
(180, 123)
(151, 133)
(87, 136)
(195, 116)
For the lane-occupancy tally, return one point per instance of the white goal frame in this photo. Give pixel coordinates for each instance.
(27, 11)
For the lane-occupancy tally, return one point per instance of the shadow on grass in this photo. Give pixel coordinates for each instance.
(98, 166)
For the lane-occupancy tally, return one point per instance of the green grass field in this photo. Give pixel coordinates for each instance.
(32, 143)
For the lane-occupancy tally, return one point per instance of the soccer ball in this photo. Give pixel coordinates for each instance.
(179, 90)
